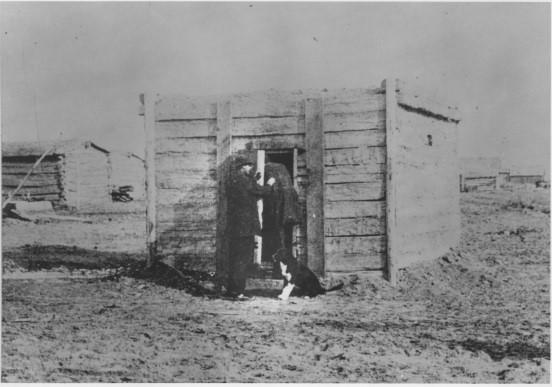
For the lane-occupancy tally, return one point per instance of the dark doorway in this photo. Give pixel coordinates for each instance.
(272, 239)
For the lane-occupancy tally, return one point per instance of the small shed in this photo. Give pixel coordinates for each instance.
(376, 171)
(479, 173)
(73, 175)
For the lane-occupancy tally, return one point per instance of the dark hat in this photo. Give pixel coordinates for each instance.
(240, 161)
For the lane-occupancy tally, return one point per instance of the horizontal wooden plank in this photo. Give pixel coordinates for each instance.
(173, 237)
(41, 190)
(367, 120)
(184, 161)
(185, 180)
(182, 212)
(184, 249)
(263, 126)
(354, 226)
(185, 129)
(354, 139)
(355, 191)
(257, 104)
(354, 173)
(173, 107)
(189, 145)
(201, 193)
(197, 225)
(269, 103)
(354, 101)
(354, 209)
(23, 169)
(355, 245)
(355, 253)
(289, 141)
(55, 197)
(361, 155)
(32, 180)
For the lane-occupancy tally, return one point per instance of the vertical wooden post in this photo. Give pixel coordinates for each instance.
(461, 183)
(314, 139)
(258, 238)
(224, 149)
(295, 231)
(391, 178)
(151, 219)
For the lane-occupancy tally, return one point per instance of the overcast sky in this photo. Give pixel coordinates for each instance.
(78, 68)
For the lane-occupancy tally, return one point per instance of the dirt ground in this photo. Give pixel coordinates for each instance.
(480, 314)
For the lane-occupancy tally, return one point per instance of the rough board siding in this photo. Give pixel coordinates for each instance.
(185, 160)
(427, 206)
(354, 224)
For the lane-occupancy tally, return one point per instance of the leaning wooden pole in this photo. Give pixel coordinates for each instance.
(14, 192)
(149, 127)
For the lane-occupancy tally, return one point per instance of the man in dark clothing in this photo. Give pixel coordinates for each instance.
(243, 221)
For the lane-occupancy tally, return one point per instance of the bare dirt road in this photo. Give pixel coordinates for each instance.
(481, 314)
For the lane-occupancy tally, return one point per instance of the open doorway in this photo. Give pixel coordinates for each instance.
(277, 237)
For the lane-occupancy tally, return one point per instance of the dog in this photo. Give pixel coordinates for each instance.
(298, 278)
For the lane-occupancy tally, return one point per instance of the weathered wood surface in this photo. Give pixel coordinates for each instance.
(355, 253)
(186, 129)
(354, 139)
(197, 226)
(35, 190)
(181, 211)
(270, 103)
(14, 168)
(315, 194)
(199, 193)
(354, 226)
(354, 209)
(363, 120)
(266, 126)
(224, 150)
(415, 96)
(354, 173)
(186, 180)
(289, 141)
(186, 145)
(179, 162)
(361, 155)
(355, 191)
(150, 168)
(34, 180)
(427, 202)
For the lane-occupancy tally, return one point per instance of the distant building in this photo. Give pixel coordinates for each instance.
(77, 174)
(479, 173)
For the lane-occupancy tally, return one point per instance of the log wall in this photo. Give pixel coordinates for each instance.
(43, 184)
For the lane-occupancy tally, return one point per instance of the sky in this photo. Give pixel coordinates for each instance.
(75, 70)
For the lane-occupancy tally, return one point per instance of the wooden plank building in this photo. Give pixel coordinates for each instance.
(479, 173)
(376, 172)
(73, 175)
